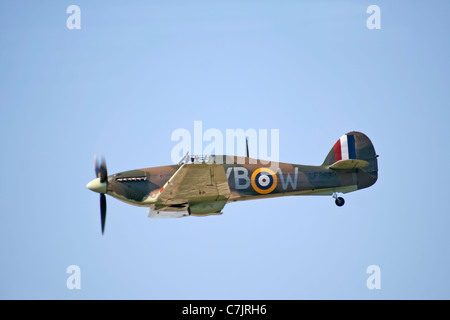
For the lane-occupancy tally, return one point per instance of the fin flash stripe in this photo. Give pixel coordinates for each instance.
(344, 148)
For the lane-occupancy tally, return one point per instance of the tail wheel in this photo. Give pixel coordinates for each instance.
(339, 201)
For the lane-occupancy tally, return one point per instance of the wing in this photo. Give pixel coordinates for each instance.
(195, 183)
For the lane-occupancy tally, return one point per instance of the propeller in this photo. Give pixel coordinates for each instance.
(102, 173)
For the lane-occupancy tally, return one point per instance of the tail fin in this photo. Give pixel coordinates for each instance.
(353, 150)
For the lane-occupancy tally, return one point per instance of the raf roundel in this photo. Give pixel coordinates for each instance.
(264, 180)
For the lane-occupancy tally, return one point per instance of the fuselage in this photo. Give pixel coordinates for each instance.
(247, 179)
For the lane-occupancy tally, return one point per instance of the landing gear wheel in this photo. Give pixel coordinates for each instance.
(339, 201)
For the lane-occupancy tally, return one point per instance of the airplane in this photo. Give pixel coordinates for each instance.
(202, 186)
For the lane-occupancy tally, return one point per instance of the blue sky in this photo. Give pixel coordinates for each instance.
(138, 70)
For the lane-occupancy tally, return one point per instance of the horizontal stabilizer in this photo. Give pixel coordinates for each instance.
(349, 164)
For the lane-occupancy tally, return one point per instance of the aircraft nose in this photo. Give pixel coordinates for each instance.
(97, 186)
